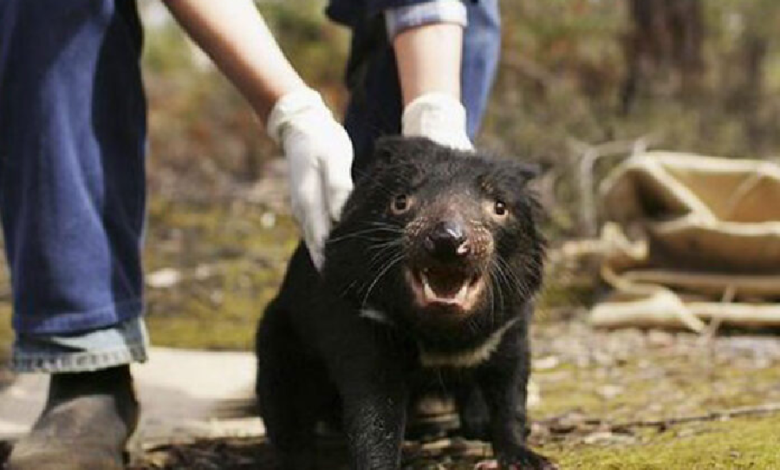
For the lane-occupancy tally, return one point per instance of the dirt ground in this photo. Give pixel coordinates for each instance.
(625, 399)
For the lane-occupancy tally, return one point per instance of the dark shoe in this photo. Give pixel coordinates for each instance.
(85, 425)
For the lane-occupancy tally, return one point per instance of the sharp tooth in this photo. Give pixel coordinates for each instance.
(427, 291)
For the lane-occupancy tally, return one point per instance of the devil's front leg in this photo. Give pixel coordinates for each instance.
(374, 420)
(374, 394)
(473, 413)
(503, 382)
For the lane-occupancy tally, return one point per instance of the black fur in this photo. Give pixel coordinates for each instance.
(423, 215)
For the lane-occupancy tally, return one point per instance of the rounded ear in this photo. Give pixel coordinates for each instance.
(529, 171)
(522, 171)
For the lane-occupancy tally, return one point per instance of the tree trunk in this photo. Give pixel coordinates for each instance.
(663, 49)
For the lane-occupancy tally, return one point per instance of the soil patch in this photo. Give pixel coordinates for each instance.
(610, 400)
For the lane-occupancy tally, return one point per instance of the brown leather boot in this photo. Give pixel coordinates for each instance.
(85, 425)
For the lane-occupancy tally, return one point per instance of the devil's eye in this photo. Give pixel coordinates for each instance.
(400, 204)
(500, 209)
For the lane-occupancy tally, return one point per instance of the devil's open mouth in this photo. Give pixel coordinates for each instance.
(445, 287)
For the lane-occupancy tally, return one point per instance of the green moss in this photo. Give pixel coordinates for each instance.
(664, 386)
(735, 444)
(230, 263)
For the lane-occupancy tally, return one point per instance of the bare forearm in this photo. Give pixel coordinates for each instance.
(429, 70)
(235, 36)
(429, 60)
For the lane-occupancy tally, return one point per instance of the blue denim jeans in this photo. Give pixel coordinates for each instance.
(72, 189)
(72, 146)
(82, 351)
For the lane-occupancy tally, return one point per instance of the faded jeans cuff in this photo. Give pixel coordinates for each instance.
(120, 344)
(400, 19)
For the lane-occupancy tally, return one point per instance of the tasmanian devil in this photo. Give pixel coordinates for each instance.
(431, 272)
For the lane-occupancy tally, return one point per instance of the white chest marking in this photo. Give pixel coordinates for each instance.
(467, 358)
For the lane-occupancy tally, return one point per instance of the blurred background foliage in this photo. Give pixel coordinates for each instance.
(201, 130)
(688, 75)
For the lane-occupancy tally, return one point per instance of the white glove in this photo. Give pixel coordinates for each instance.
(319, 157)
(439, 117)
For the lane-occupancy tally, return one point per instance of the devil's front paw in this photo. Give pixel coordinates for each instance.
(523, 458)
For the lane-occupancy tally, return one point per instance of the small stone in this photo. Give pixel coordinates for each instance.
(533, 395)
(687, 432)
(203, 271)
(609, 391)
(163, 278)
(607, 437)
(660, 339)
(268, 220)
(546, 363)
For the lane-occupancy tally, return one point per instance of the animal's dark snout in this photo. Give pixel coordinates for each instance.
(447, 241)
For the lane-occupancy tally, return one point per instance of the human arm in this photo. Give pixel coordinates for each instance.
(429, 60)
(317, 148)
(235, 36)
(428, 48)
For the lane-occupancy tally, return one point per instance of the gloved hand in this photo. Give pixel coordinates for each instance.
(319, 156)
(439, 117)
